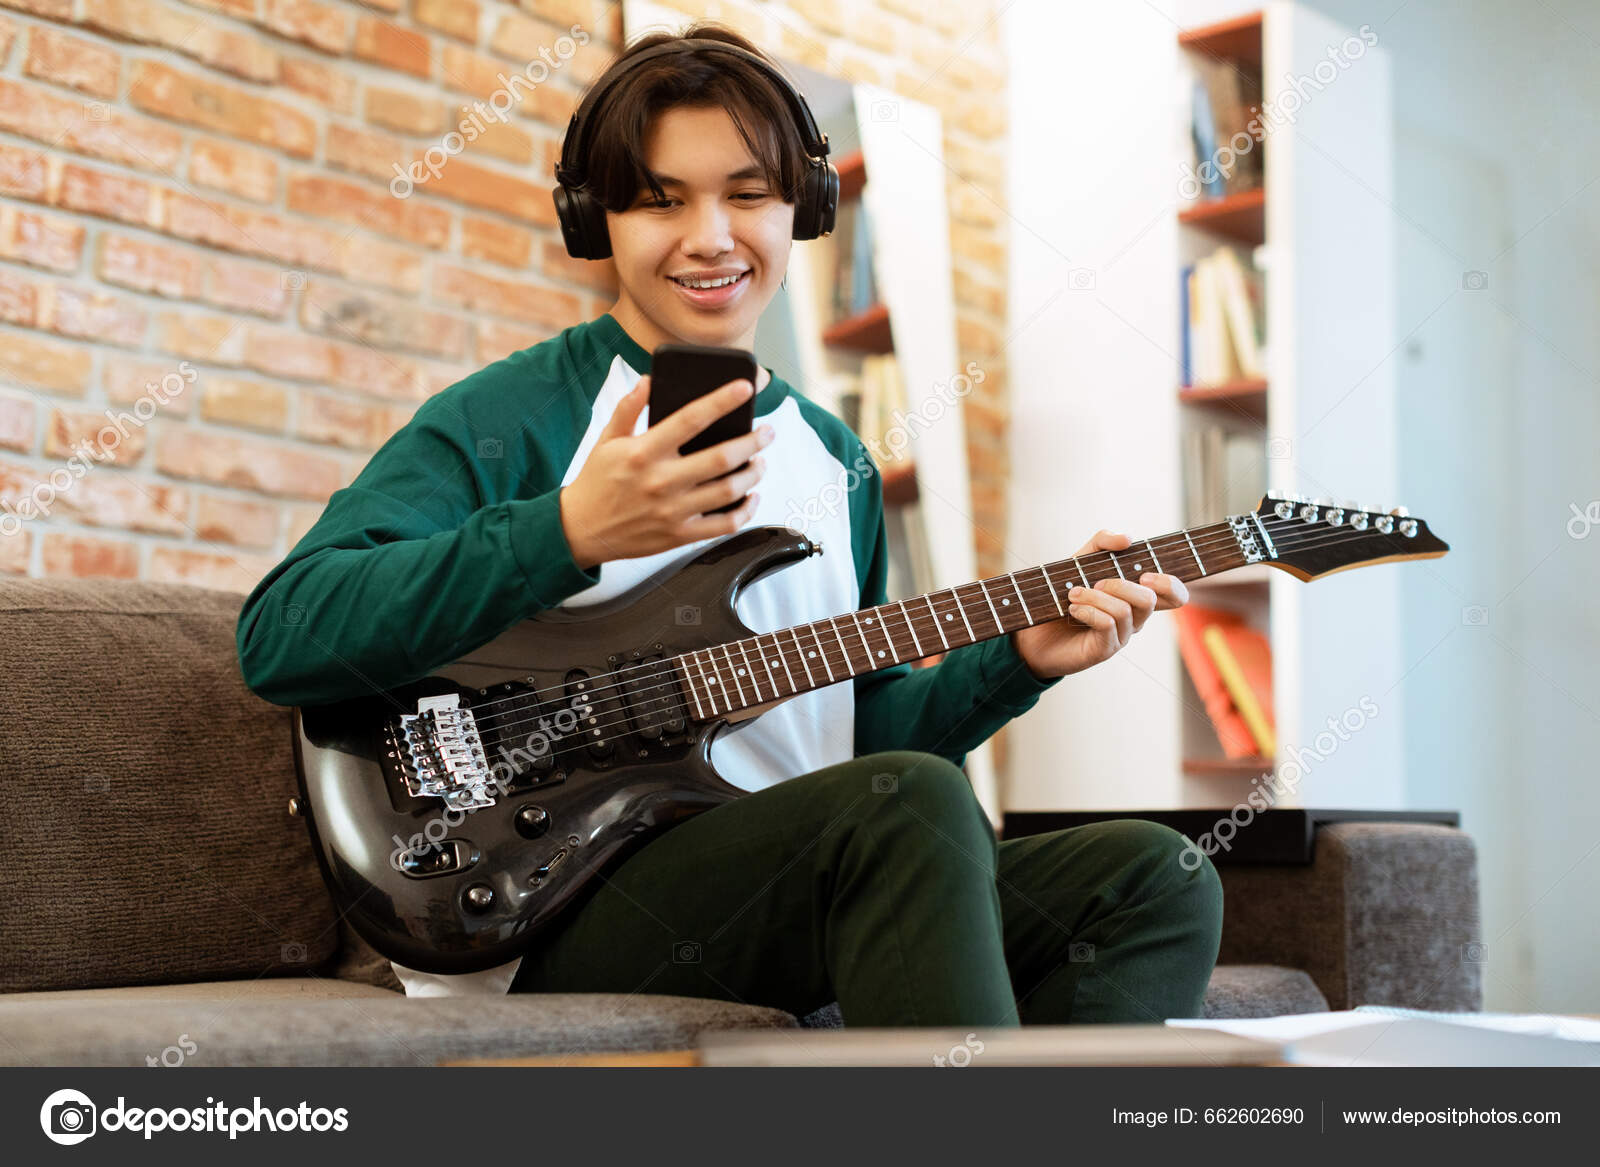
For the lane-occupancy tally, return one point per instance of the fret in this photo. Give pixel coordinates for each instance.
(1153, 558)
(694, 692)
(937, 627)
(865, 647)
(883, 627)
(962, 608)
(1116, 565)
(1013, 578)
(1045, 571)
(783, 660)
(842, 648)
(1081, 573)
(732, 668)
(798, 647)
(998, 623)
(912, 628)
(754, 682)
(1195, 553)
(711, 683)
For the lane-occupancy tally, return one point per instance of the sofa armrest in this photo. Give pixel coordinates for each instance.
(1385, 914)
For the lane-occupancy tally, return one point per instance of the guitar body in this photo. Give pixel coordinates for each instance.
(453, 891)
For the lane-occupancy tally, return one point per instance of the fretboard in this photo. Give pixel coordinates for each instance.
(741, 674)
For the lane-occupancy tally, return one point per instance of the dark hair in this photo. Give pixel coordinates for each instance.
(614, 167)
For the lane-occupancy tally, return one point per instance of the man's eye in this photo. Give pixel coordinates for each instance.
(757, 195)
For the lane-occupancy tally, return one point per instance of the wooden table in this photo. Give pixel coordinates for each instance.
(1033, 1045)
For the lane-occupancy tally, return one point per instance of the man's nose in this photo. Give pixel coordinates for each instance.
(709, 229)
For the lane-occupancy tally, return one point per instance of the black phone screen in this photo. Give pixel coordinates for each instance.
(680, 373)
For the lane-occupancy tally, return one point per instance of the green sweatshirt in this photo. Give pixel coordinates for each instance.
(452, 533)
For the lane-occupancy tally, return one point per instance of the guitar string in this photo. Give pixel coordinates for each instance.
(1206, 543)
(1031, 591)
(671, 679)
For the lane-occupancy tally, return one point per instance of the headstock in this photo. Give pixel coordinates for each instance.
(1312, 538)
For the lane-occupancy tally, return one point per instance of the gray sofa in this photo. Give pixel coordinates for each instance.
(165, 909)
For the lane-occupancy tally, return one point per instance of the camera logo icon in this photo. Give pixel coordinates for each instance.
(1475, 615)
(886, 783)
(885, 111)
(68, 1117)
(1080, 952)
(1474, 281)
(491, 448)
(686, 952)
(292, 615)
(686, 614)
(1081, 279)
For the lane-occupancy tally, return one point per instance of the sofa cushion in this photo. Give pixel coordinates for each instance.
(1235, 990)
(359, 1030)
(143, 790)
(1261, 990)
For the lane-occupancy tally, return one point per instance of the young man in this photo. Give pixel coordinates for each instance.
(860, 867)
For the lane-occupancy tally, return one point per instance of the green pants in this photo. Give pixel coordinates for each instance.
(879, 883)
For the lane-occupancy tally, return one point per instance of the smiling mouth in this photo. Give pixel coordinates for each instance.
(712, 285)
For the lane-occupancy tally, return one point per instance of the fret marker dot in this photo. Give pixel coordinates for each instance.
(880, 652)
(741, 672)
(811, 654)
(1003, 603)
(947, 616)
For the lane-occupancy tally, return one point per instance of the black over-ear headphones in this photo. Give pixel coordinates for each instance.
(583, 219)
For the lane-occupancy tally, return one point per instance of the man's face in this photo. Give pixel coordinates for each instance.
(720, 219)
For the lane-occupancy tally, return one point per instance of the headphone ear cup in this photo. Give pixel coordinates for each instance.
(583, 224)
(819, 202)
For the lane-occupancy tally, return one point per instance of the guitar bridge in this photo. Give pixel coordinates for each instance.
(440, 754)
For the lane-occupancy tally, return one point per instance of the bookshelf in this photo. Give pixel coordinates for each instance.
(1319, 240)
(1238, 404)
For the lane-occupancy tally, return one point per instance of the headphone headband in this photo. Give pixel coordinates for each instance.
(570, 171)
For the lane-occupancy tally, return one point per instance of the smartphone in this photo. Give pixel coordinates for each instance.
(679, 373)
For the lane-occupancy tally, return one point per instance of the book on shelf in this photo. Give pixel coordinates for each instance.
(1224, 472)
(1248, 657)
(1222, 318)
(854, 285)
(883, 400)
(1226, 100)
(1244, 659)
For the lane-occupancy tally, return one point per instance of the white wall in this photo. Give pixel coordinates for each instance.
(1092, 368)
(1496, 124)
(1496, 111)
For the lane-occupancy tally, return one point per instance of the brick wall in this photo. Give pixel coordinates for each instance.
(201, 246)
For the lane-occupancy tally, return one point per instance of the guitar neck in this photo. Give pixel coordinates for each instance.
(726, 678)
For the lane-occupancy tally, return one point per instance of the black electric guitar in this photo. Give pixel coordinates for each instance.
(456, 816)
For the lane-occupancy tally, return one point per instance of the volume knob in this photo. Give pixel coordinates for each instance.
(532, 822)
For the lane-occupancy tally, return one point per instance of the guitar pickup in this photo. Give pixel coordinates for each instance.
(651, 694)
(598, 712)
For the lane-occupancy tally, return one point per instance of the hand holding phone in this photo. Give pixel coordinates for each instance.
(681, 373)
(640, 494)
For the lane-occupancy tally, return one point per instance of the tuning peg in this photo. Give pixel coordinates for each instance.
(1399, 512)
